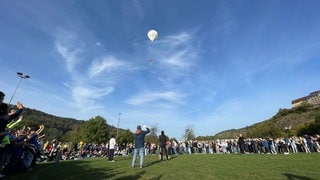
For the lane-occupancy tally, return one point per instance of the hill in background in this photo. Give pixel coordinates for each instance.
(60, 128)
(286, 122)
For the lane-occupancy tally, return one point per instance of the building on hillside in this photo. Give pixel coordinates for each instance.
(313, 98)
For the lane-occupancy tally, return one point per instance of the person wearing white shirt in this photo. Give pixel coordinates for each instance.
(112, 144)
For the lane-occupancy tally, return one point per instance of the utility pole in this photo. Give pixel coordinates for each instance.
(118, 126)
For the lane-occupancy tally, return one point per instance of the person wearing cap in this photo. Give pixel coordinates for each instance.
(139, 145)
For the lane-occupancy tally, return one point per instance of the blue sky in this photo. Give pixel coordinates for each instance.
(216, 65)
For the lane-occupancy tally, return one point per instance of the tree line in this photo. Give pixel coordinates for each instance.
(304, 119)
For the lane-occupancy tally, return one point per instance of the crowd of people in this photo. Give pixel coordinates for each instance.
(21, 149)
(18, 147)
(241, 145)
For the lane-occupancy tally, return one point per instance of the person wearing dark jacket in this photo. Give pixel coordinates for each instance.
(5, 116)
(139, 145)
(5, 119)
(241, 143)
(163, 145)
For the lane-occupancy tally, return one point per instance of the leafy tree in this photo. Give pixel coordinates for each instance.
(304, 107)
(283, 112)
(125, 137)
(310, 129)
(275, 132)
(73, 135)
(95, 130)
(53, 133)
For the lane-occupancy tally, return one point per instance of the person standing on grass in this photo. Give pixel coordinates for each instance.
(241, 143)
(163, 145)
(112, 144)
(174, 147)
(139, 145)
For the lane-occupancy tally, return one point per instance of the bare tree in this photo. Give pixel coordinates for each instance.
(152, 137)
(189, 133)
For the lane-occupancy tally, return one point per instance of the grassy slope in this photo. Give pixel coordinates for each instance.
(280, 120)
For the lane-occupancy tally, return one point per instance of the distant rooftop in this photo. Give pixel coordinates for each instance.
(313, 98)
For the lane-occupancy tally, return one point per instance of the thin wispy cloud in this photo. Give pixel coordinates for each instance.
(70, 48)
(107, 64)
(144, 98)
(180, 59)
(215, 65)
(84, 96)
(177, 56)
(177, 40)
(83, 92)
(135, 8)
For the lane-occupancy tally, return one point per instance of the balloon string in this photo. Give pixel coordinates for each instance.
(150, 63)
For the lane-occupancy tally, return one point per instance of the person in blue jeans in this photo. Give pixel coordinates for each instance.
(139, 145)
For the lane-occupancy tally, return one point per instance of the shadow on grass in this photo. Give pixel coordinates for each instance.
(295, 177)
(69, 170)
(151, 163)
(138, 175)
(157, 161)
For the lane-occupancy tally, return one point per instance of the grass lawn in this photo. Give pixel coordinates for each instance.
(196, 166)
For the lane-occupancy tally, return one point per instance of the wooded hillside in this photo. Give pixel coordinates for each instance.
(304, 119)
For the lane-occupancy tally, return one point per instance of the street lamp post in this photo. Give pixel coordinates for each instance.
(287, 130)
(118, 125)
(21, 76)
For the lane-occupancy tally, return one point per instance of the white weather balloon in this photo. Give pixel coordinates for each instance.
(152, 35)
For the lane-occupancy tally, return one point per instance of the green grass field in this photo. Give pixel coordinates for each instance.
(196, 166)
